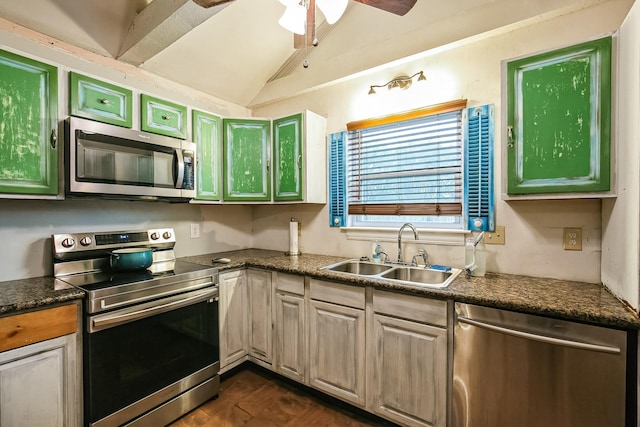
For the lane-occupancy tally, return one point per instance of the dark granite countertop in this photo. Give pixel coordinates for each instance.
(26, 294)
(564, 299)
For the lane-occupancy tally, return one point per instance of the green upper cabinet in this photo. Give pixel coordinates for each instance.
(287, 158)
(247, 175)
(163, 117)
(101, 101)
(207, 134)
(28, 126)
(559, 121)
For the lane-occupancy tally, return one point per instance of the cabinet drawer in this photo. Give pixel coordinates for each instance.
(163, 117)
(408, 307)
(28, 328)
(101, 101)
(337, 293)
(291, 283)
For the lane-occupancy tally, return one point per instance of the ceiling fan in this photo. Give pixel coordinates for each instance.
(397, 7)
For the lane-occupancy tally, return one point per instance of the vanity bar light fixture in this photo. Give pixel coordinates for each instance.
(402, 82)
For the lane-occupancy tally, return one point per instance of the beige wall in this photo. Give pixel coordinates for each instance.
(470, 70)
(621, 216)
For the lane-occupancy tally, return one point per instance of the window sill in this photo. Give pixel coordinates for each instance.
(429, 236)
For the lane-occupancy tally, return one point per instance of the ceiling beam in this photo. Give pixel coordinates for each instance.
(162, 23)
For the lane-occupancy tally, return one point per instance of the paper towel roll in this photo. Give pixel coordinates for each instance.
(293, 238)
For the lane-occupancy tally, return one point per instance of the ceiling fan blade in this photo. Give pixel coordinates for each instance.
(302, 41)
(397, 7)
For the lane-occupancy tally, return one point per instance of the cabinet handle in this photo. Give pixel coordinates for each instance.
(104, 101)
(165, 117)
(510, 136)
(299, 161)
(53, 139)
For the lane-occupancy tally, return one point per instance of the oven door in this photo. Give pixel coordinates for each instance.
(139, 357)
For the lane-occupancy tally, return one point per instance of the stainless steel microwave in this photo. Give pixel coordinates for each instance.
(107, 161)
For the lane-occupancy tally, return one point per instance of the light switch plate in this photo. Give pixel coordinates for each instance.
(495, 237)
(572, 239)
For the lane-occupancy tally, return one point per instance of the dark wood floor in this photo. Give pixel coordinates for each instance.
(250, 397)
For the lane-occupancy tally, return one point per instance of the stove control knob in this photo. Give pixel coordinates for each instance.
(166, 235)
(86, 241)
(68, 242)
(155, 236)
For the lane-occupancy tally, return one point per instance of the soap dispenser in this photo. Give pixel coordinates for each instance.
(376, 252)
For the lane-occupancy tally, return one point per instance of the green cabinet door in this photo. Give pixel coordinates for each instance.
(163, 117)
(287, 158)
(101, 101)
(207, 134)
(247, 175)
(559, 120)
(28, 126)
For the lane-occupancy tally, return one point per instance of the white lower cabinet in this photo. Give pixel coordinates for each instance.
(40, 383)
(234, 335)
(260, 316)
(337, 341)
(290, 327)
(408, 360)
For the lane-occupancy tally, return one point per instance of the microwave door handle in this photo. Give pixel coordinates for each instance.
(180, 161)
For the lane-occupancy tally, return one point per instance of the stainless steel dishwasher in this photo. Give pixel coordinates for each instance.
(518, 370)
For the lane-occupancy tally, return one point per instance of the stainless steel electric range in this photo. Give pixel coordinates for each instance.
(150, 338)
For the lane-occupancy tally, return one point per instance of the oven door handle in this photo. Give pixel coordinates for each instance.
(130, 314)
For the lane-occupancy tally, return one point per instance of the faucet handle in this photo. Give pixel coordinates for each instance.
(421, 254)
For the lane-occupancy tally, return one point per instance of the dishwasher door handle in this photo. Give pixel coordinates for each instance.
(541, 338)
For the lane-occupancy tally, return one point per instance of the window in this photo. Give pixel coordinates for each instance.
(427, 167)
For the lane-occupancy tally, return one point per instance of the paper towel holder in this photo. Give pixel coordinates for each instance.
(293, 239)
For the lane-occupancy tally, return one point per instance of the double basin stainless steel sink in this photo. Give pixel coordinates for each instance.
(405, 274)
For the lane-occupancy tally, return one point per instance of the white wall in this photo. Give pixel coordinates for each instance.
(26, 225)
(621, 227)
(470, 70)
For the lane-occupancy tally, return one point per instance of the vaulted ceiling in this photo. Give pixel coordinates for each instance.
(237, 51)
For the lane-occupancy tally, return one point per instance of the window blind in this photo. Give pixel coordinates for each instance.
(407, 167)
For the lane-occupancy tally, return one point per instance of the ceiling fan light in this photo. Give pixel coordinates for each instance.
(294, 19)
(332, 9)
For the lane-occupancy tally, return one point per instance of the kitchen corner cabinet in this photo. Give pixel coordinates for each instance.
(247, 158)
(163, 117)
(260, 315)
(97, 100)
(408, 360)
(299, 158)
(290, 356)
(29, 137)
(558, 124)
(40, 383)
(207, 134)
(337, 340)
(234, 335)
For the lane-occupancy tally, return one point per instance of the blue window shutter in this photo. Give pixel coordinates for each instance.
(478, 197)
(337, 179)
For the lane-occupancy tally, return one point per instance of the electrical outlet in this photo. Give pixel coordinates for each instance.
(195, 230)
(572, 239)
(495, 237)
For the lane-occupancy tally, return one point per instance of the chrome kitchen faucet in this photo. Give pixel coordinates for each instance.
(415, 235)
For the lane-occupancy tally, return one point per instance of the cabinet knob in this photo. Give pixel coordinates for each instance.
(104, 101)
(165, 117)
(53, 139)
